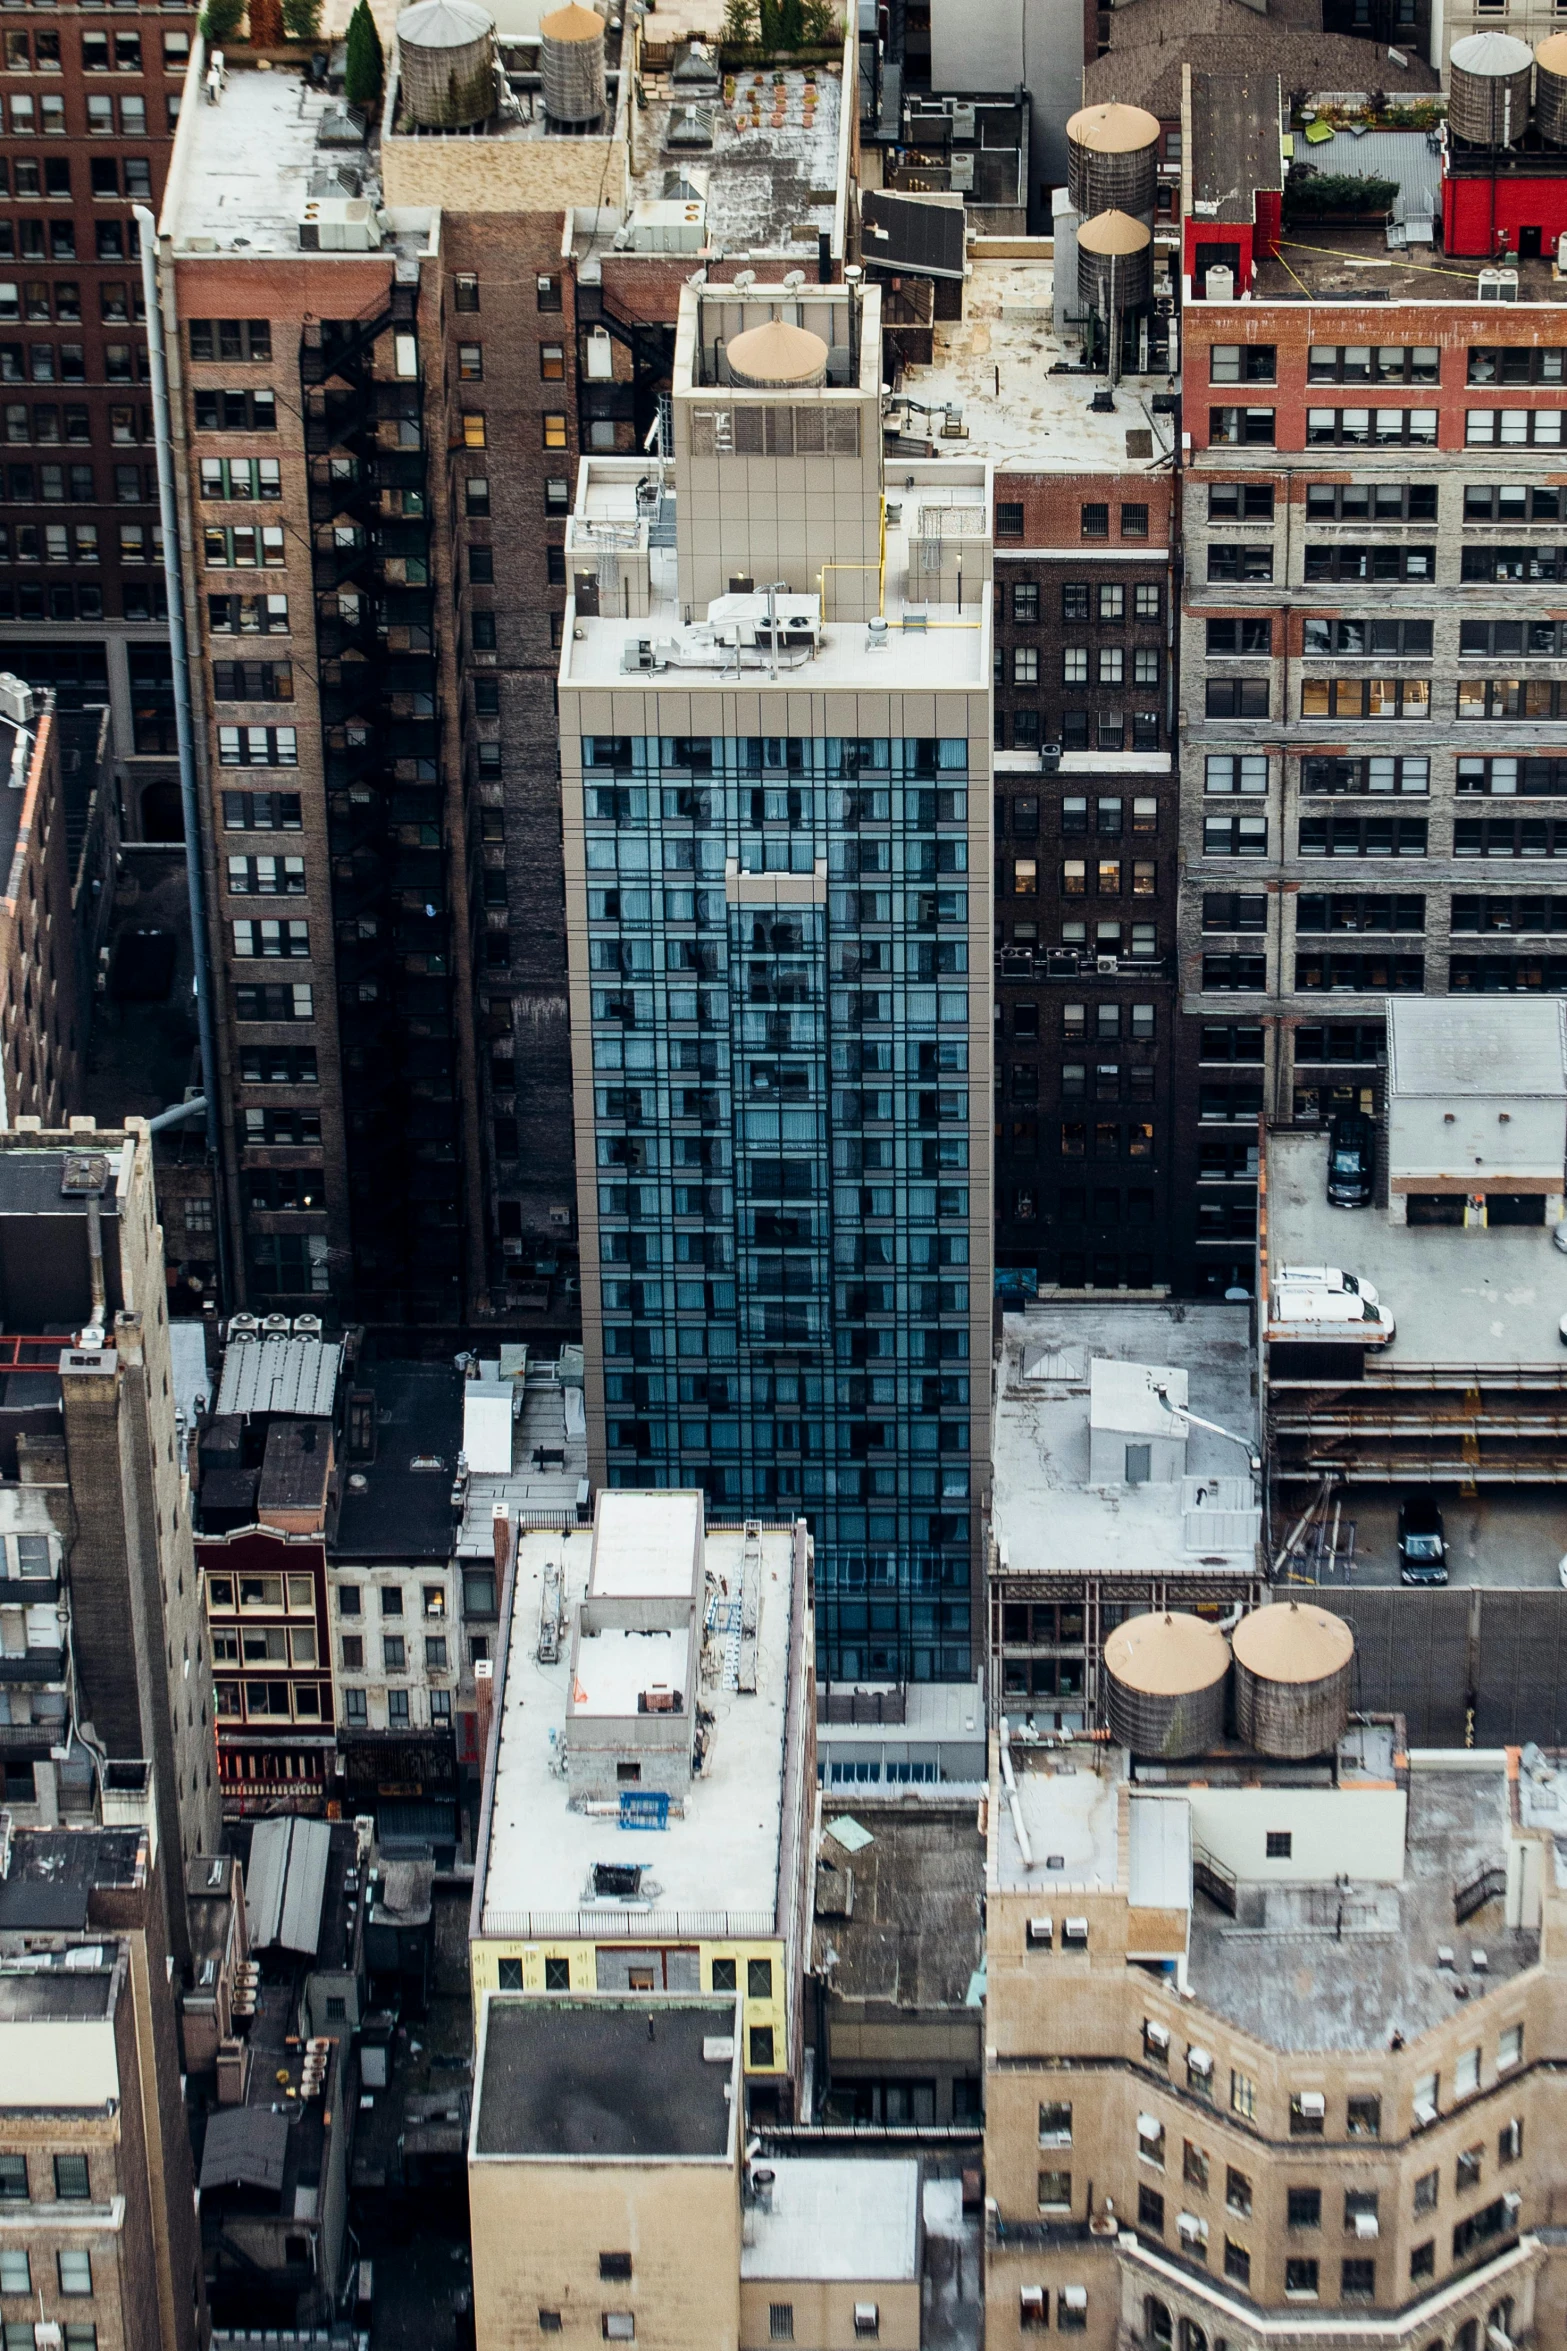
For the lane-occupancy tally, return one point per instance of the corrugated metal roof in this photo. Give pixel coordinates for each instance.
(285, 1885)
(300, 1929)
(264, 1881)
(1479, 1047)
(280, 1375)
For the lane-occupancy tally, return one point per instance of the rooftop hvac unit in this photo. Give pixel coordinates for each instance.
(1221, 284)
(1498, 285)
(1313, 2105)
(339, 224)
(1366, 2224)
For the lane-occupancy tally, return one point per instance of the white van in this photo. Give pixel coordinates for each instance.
(1307, 1309)
(1325, 1277)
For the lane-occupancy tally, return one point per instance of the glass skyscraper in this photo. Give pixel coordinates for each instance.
(775, 752)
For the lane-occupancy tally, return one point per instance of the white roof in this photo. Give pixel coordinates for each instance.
(718, 1859)
(645, 1545)
(835, 2217)
(1480, 1046)
(1121, 1397)
(1160, 1841)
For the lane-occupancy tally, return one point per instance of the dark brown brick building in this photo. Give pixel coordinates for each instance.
(91, 97)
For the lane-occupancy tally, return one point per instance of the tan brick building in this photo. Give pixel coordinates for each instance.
(1271, 2045)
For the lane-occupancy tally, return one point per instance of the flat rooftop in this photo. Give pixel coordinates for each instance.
(954, 654)
(1355, 266)
(599, 2080)
(1320, 1967)
(720, 1853)
(68, 1994)
(549, 1460)
(398, 1506)
(995, 364)
(240, 178)
(53, 1872)
(1070, 1804)
(899, 1909)
(836, 2217)
(768, 176)
(1489, 1297)
(1047, 1516)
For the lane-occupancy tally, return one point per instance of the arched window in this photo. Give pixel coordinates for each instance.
(1156, 2322)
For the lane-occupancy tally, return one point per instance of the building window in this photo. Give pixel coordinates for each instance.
(1365, 2112)
(1237, 2262)
(1300, 2280)
(1055, 2124)
(397, 1710)
(1427, 2190)
(555, 429)
(1095, 521)
(759, 1979)
(549, 2322)
(71, 2183)
(618, 2326)
(761, 2045)
(1009, 519)
(1055, 2191)
(1150, 2210)
(557, 1975)
(1304, 2208)
(1307, 2111)
(780, 2322)
(867, 2319)
(1243, 2097)
(75, 2270)
(16, 2273)
(1025, 665)
(1241, 428)
(1281, 1844)
(1134, 522)
(724, 1975)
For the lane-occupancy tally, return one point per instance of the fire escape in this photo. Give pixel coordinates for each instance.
(366, 443)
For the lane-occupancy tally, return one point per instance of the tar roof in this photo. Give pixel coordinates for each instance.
(52, 1873)
(1236, 149)
(1480, 1047)
(594, 2079)
(1151, 39)
(245, 2147)
(61, 1995)
(398, 1506)
(898, 1919)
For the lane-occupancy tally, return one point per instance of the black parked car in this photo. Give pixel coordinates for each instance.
(1422, 1548)
(1352, 1161)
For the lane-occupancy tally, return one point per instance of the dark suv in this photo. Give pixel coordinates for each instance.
(1352, 1161)
(1422, 1548)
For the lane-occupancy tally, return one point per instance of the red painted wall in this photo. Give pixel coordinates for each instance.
(1468, 218)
